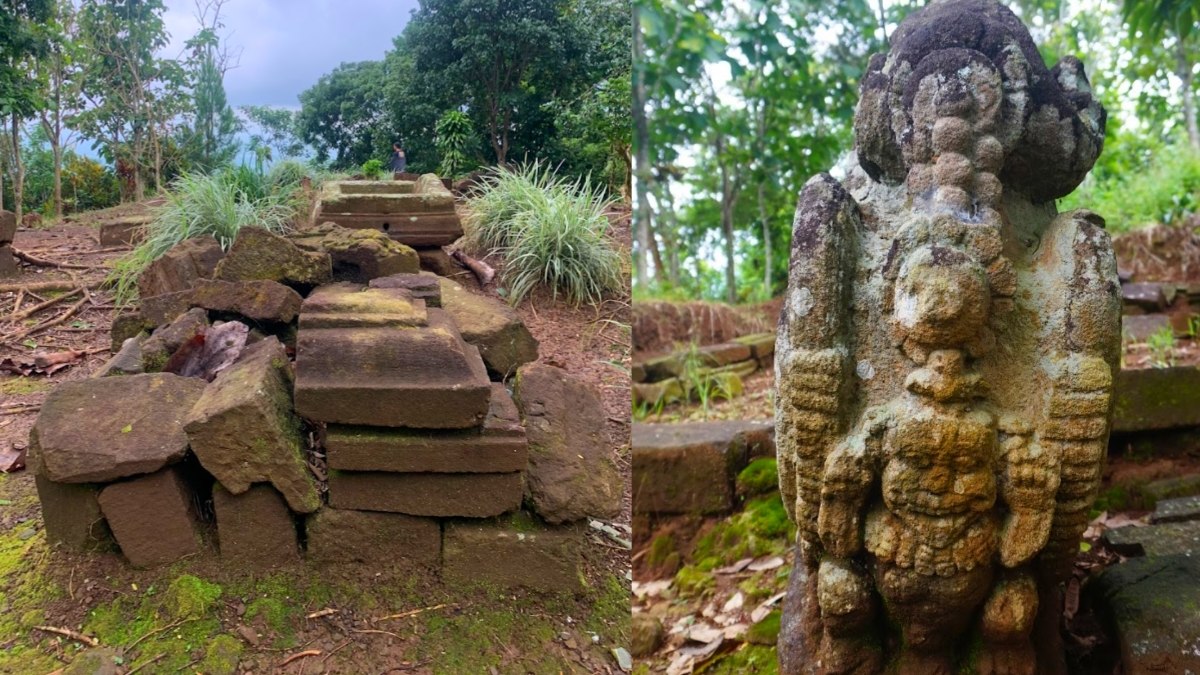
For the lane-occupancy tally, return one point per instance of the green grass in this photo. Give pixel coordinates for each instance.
(217, 204)
(550, 230)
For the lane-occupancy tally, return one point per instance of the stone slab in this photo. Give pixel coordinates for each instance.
(255, 528)
(691, 467)
(409, 229)
(434, 259)
(469, 495)
(1139, 328)
(425, 378)
(162, 309)
(499, 446)
(1156, 540)
(1176, 510)
(99, 430)
(243, 431)
(259, 254)
(181, 266)
(350, 305)
(1148, 296)
(122, 232)
(358, 255)
(762, 346)
(716, 356)
(497, 553)
(71, 513)
(1156, 398)
(1154, 606)
(8, 263)
(345, 536)
(152, 518)
(166, 340)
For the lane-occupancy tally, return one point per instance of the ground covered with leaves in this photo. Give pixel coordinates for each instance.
(200, 616)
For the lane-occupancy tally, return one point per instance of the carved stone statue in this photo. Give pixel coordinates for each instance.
(945, 360)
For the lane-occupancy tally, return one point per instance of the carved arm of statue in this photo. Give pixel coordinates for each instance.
(850, 471)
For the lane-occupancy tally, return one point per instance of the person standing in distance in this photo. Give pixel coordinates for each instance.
(399, 161)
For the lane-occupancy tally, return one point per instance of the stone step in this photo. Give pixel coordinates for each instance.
(511, 553)
(344, 536)
(1153, 606)
(442, 495)
(1156, 398)
(691, 468)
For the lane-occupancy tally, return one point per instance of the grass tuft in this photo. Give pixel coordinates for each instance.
(550, 230)
(217, 204)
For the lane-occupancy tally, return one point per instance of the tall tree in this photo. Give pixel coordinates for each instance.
(23, 40)
(345, 114)
(123, 83)
(213, 135)
(273, 127)
(498, 52)
(60, 72)
(1150, 22)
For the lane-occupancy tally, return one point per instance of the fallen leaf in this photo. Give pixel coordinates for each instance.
(702, 651)
(735, 567)
(127, 428)
(735, 603)
(767, 564)
(703, 632)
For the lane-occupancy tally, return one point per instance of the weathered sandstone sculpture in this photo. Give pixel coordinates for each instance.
(945, 360)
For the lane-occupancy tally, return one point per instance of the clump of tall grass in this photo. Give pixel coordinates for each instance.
(550, 231)
(217, 204)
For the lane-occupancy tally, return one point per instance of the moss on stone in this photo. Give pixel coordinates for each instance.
(222, 655)
(749, 660)
(190, 597)
(19, 386)
(760, 477)
(693, 581)
(762, 528)
(765, 632)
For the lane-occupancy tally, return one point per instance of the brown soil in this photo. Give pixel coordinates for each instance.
(1167, 253)
(590, 342)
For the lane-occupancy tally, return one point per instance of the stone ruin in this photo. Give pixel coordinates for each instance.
(945, 360)
(8, 230)
(392, 438)
(418, 213)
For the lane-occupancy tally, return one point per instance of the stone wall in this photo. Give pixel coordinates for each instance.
(268, 402)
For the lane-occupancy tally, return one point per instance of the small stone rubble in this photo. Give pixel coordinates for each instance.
(8, 230)
(270, 402)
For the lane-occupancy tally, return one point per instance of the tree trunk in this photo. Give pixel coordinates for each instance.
(766, 233)
(641, 139)
(56, 147)
(19, 176)
(1184, 71)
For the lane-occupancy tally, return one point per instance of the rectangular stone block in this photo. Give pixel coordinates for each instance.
(468, 495)
(690, 468)
(344, 536)
(255, 528)
(421, 286)
(152, 518)
(1156, 398)
(419, 213)
(8, 263)
(349, 305)
(8, 226)
(503, 553)
(724, 354)
(124, 232)
(762, 346)
(430, 229)
(498, 446)
(71, 513)
(420, 377)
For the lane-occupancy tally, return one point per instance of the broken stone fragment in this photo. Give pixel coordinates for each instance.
(358, 255)
(255, 528)
(8, 263)
(8, 226)
(422, 286)
(502, 338)
(506, 554)
(180, 267)
(98, 430)
(571, 473)
(435, 259)
(127, 361)
(128, 324)
(498, 446)
(243, 431)
(259, 254)
(166, 340)
(259, 300)
(152, 517)
(343, 536)
(71, 513)
(443, 495)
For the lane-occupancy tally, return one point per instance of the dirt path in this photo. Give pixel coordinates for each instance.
(266, 617)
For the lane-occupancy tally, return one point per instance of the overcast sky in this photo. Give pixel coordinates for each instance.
(286, 45)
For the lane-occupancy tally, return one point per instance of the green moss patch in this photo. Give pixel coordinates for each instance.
(760, 477)
(20, 386)
(749, 660)
(762, 528)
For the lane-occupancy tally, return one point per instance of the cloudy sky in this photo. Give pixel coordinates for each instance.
(286, 45)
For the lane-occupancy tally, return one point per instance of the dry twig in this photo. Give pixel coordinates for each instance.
(320, 613)
(42, 262)
(300, 655)
(414, 612)
(67, 632)
(57, 285)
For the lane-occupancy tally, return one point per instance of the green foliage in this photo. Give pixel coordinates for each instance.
(217, 204)
(273, 128)
(372, 169)
(343, 115)
(1162, 347)
(551, 231)
(287, 175)
(454, 138)
(758, 478)
(761, 528)
(190, 597)
(213, 141)
(1148, 183)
